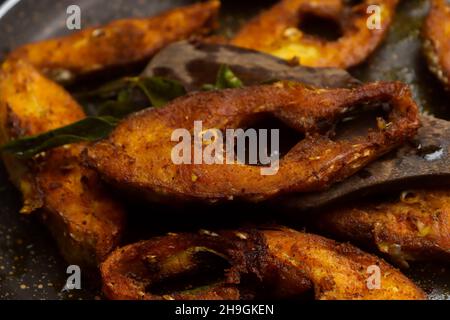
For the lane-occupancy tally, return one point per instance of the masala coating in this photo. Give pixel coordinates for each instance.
(118, 44)
(83, 217)
(436, 33)
(414, 227)
(279, 262)
(85, 221)
(136, 157)
(276, 31)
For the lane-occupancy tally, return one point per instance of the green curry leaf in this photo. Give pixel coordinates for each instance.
(88, 129)
(160, 91)
(118, 98)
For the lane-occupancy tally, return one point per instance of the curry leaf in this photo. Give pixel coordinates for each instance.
(88, 129)
(226, 79)
(122, 93)
(160, 91)
(105, 91)
(121, 107)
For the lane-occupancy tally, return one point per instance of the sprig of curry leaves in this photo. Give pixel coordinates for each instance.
(117, 101)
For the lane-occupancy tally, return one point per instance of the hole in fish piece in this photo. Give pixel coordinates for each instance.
(196, 268)
(272, 136)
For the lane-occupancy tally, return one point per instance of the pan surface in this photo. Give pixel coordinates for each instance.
(30, 266)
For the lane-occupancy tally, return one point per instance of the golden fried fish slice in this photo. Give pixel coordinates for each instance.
(279, 262)
(436, 33)
(138, 154)
(339, 271)
(416, 227)
(119, 43)
(86, 222)
(223, 265)
(275, 31)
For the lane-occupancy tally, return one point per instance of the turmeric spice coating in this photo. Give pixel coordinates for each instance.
(281, 263)
(120, 43)
(137, 155)
(436, 33)
(415, 227)
(85, 220)
(276, 31)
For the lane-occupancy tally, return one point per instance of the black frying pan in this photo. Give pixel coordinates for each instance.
(30, 266)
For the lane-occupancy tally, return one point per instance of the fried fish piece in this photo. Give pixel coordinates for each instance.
(137, 156)
(86, 222)
(416, 227)
(222, 265)
(120, 43)
(436, 33)
(338, 270)
(279, 262)
(275, 31)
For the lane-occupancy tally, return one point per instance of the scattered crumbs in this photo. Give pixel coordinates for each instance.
(23, 286)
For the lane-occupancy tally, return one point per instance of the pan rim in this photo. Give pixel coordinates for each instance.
(7, 6)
